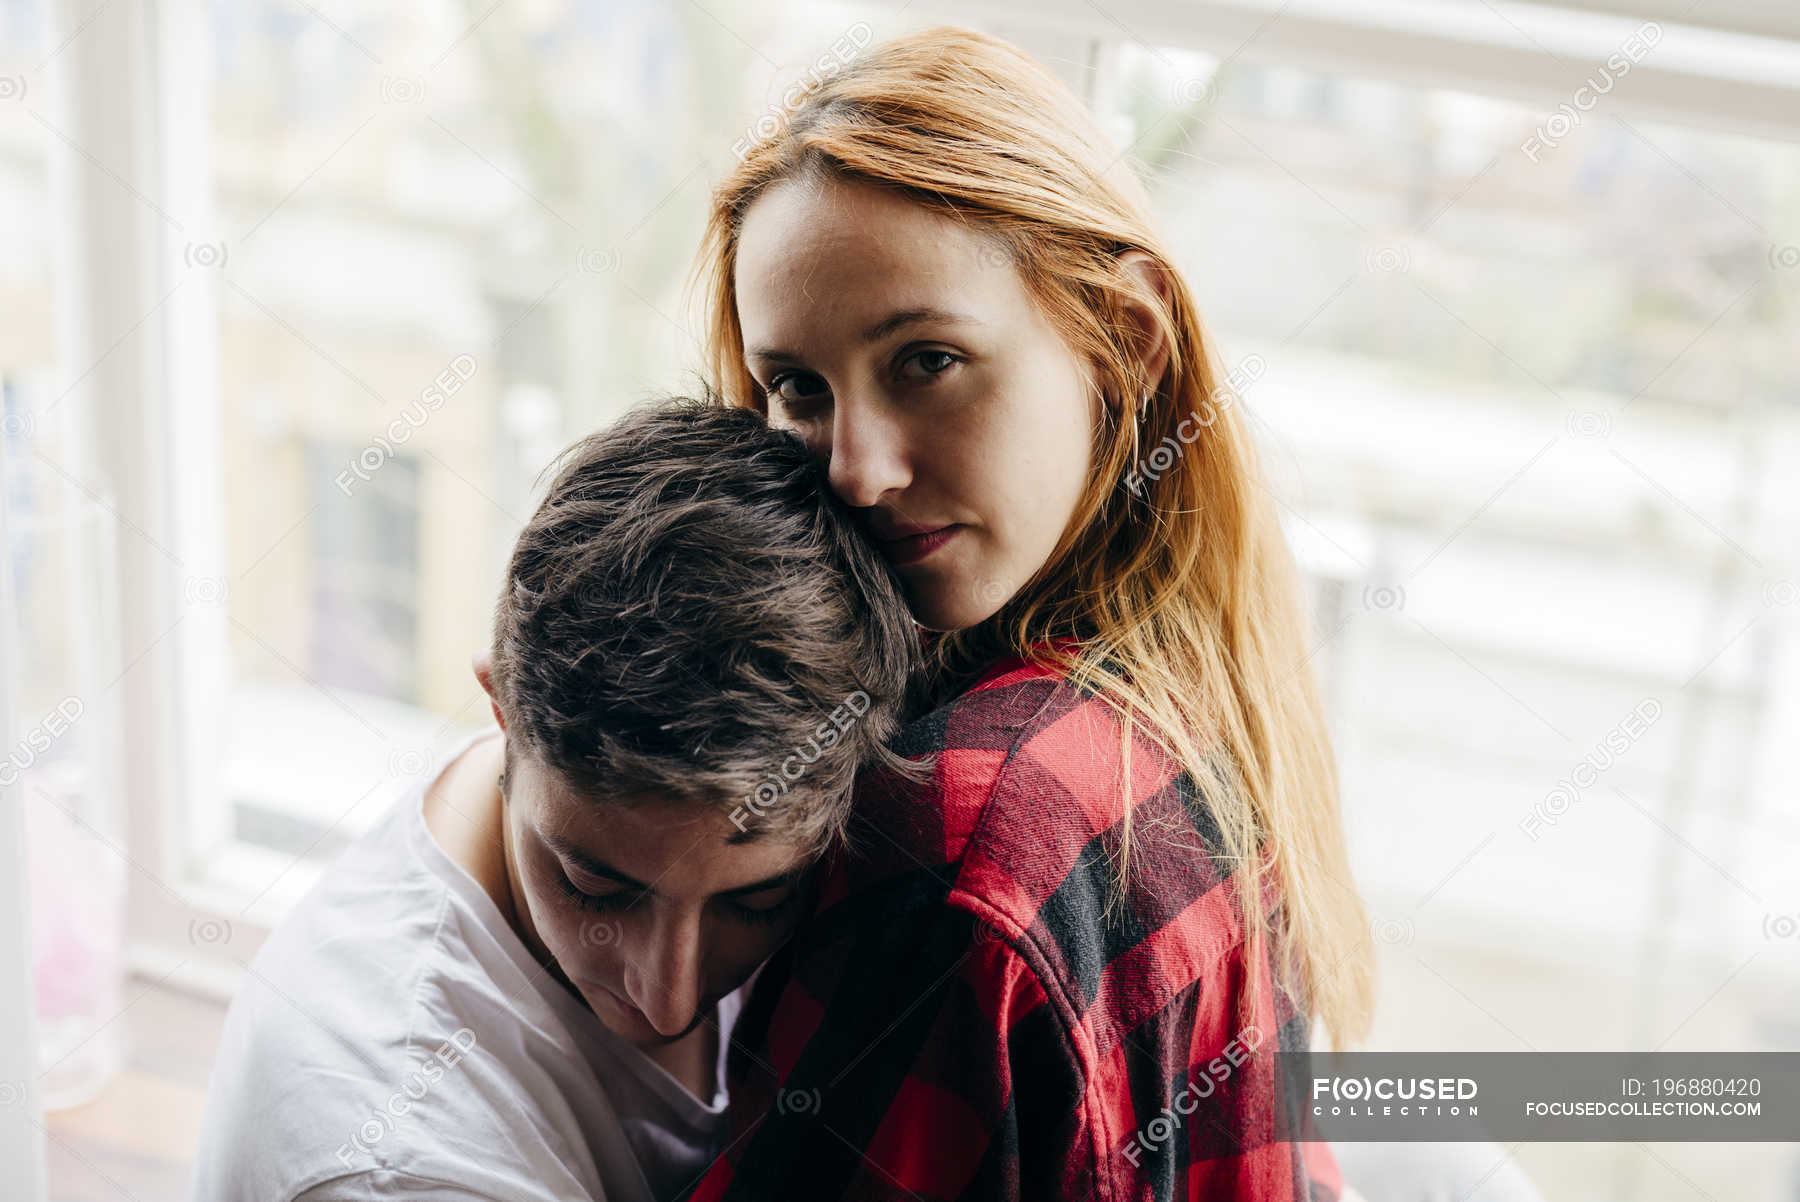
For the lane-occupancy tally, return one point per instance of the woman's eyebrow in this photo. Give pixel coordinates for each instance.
(897, 320)
(906, 317)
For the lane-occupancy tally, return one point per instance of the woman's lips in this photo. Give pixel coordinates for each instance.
(915, 547)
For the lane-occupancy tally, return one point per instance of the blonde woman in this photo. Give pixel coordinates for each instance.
(1063, 969)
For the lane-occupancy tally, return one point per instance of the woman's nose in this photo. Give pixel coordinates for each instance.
(866, 456)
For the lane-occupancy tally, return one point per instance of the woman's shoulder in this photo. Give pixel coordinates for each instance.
(1038, 752)
(1029, 799)
(1089, 858)
(1016, 707)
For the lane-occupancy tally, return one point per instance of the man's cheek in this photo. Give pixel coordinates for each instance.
(559, 925)
(569, 938)
(774, 941)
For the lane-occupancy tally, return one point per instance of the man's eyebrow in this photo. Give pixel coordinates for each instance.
(769, 882)
(591, 865)
(893, 322)
(594, 866)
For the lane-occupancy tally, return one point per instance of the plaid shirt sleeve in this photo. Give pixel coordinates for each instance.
(963, 1018)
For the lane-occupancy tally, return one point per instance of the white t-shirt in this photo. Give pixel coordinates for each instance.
(397, 1039)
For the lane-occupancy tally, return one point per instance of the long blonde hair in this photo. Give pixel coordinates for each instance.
(1173, 570)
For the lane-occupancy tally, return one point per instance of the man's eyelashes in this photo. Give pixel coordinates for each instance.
(619, 900)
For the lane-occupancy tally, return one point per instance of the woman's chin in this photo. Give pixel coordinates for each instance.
(950, 611)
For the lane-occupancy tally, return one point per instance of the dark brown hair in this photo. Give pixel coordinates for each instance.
(692, 617)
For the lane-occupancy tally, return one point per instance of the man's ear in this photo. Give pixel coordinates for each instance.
(483, 663)
(1152, 348)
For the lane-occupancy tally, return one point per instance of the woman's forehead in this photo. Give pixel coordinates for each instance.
(807, 266)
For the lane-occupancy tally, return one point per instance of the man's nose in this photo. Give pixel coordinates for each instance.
(667, 984)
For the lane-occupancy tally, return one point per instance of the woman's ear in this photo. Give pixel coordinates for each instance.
(1152, 348)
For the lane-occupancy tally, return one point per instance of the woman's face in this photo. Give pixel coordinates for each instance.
(903, 347)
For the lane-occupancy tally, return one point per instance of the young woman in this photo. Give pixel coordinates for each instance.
(1065, 967)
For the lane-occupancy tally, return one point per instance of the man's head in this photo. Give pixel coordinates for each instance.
(694, 653)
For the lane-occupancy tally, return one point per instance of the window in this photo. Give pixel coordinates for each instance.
(1523, 367)
(365, 583)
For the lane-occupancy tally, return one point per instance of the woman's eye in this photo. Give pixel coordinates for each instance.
(931, 362)
(794, 389)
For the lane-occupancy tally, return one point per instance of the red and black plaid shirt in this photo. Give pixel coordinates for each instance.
(959, 1019)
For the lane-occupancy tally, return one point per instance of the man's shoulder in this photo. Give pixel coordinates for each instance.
(361, 1068)
(337, 1010)
(365, 923)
